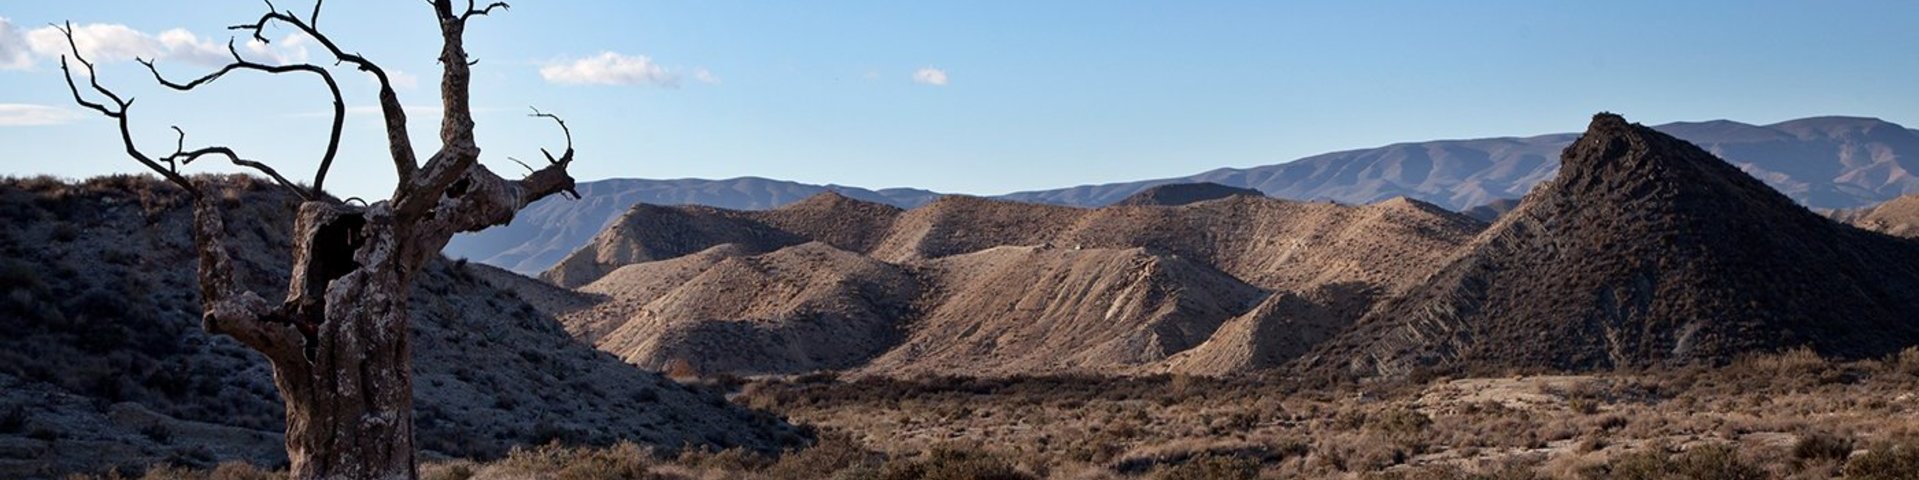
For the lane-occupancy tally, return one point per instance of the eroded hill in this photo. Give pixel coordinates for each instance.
(973, 286)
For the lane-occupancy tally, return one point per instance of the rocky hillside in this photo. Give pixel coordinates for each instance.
(967, 285)
(1645, 250)
(104, 361)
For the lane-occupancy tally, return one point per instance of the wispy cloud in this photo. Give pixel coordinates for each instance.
(107, 43)
(930, 76)
(32, 115)
(705, 76)
(611, 68)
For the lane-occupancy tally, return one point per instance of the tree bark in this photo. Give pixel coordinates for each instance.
(349, 394)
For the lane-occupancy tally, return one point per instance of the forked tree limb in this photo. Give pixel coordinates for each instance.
(459, 153)
(228, 309)
(472, 11)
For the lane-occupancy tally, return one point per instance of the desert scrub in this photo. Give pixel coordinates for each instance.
(945, 464)
(1892, 460)
(1706, 462)
(622, 460)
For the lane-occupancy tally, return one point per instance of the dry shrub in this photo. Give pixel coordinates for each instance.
(680, 369)
(453, 470)
(1181, 452)
(1896, 460)
(954, 465)
(835, 454)
(1821, 447)
(1906, 362)
(1211, 467)
(1706, 462)
(242, 471)
(729, 460)
(624, 460)
(1358, 453)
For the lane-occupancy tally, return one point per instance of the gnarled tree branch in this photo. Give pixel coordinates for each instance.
(241, 63)
(399, 144)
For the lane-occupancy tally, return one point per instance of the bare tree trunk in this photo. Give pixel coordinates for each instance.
(338, 343)
(349, 394)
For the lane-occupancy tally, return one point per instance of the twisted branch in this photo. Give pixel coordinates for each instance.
(241, 63)
(399, 145)
(117, 112)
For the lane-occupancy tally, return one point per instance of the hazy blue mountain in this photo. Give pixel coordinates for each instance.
(1821, 162)
(551, 228)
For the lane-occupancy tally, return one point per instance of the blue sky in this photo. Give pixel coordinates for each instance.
(980, 97)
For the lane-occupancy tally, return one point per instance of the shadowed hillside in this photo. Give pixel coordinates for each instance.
(1176, 194)
(105, 355)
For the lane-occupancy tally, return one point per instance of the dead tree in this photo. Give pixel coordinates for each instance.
(338, 342)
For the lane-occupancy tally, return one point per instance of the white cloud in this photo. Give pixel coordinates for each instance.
(14, 52)
(30, 115)
(706, 76)
(930, 76)
(108, 43)
(609, 68)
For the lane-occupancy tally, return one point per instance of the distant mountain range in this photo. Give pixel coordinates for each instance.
(1821, 162)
